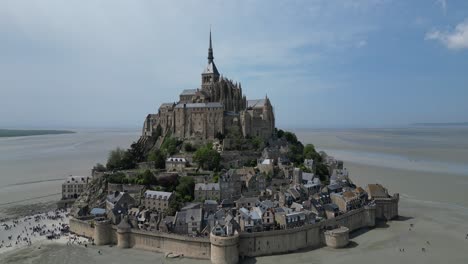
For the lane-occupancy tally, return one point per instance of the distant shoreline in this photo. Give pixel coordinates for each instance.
(27, 133)
(453, 124)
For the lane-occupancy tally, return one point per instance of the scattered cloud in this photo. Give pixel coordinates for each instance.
(456, 39)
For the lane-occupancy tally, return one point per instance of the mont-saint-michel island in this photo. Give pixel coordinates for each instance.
(225, 132)
(212, 177)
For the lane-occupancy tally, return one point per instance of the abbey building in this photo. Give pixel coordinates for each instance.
(217, 108)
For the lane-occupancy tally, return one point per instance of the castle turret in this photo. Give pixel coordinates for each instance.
(102, 232)
(123, 233)
(224, 249)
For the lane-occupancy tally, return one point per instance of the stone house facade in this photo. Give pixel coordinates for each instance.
(157, 200)
(207, 191)
(73, 186)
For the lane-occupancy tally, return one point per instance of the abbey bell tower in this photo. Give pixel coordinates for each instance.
(210, 75)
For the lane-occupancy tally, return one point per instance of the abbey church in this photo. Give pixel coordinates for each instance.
(216, 108)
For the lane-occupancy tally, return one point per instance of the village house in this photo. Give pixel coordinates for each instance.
(188, 222)
(230, 185)
(267, 215)
(176, 164)
(331, 210)
(249, 221)
(309, 164)
(247, 202)
(74, 186)
(346, 201)
(207, 191)
(118, 204)
(157, 200)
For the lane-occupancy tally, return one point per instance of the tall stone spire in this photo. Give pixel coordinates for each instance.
(210, 51)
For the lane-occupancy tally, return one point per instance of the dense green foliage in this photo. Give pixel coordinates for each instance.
(145, 178)
(183, 193)
(170, 146)
(120, 159)
(99, 167)
(207, 158)
(159, 159)
(257, 143)
(311, 153)
(322, 171)
(185, 188)
(189, 147)
(24, 133)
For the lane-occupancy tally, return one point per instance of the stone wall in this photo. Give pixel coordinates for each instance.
(193, 247)
(280, 241)
(387, 208)
(223, 250)
(81, 227)
(308, 236)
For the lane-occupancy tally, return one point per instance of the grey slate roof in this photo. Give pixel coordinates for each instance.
(207, 186)
(200, 105)
(211, 68)
(194, 215)
(158, 195)
(189, 92)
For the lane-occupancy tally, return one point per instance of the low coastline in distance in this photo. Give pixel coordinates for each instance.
(31, 132)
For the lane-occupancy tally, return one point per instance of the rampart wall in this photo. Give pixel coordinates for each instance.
(218, 249)
(81, 227)
(193, 247)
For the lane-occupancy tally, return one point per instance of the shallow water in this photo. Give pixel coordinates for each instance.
(33, 168)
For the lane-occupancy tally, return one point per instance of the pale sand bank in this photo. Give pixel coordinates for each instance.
(445, 228)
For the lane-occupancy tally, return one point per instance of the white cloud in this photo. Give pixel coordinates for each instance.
(456, 39)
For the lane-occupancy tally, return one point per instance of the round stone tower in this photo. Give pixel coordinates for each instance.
(337, 238)
(102, 232)
(224, 250)
(123, 233)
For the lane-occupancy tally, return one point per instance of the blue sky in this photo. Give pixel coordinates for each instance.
(323, 63)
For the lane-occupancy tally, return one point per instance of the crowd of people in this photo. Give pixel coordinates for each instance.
(25, 231)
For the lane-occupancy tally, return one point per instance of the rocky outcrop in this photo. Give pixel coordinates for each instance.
(94, 196)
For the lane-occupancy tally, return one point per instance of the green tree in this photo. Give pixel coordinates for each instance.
(311, 153)
(99, 167)
(169, 146)
(280, 133)
(291, 137)
(322, 171)
(216, 178)
(114, 160)
(185, 188)
(147, 178)
(158, 158)
(207, 158)
(189, 147)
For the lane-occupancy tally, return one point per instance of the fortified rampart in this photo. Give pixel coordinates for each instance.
(228, 250)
